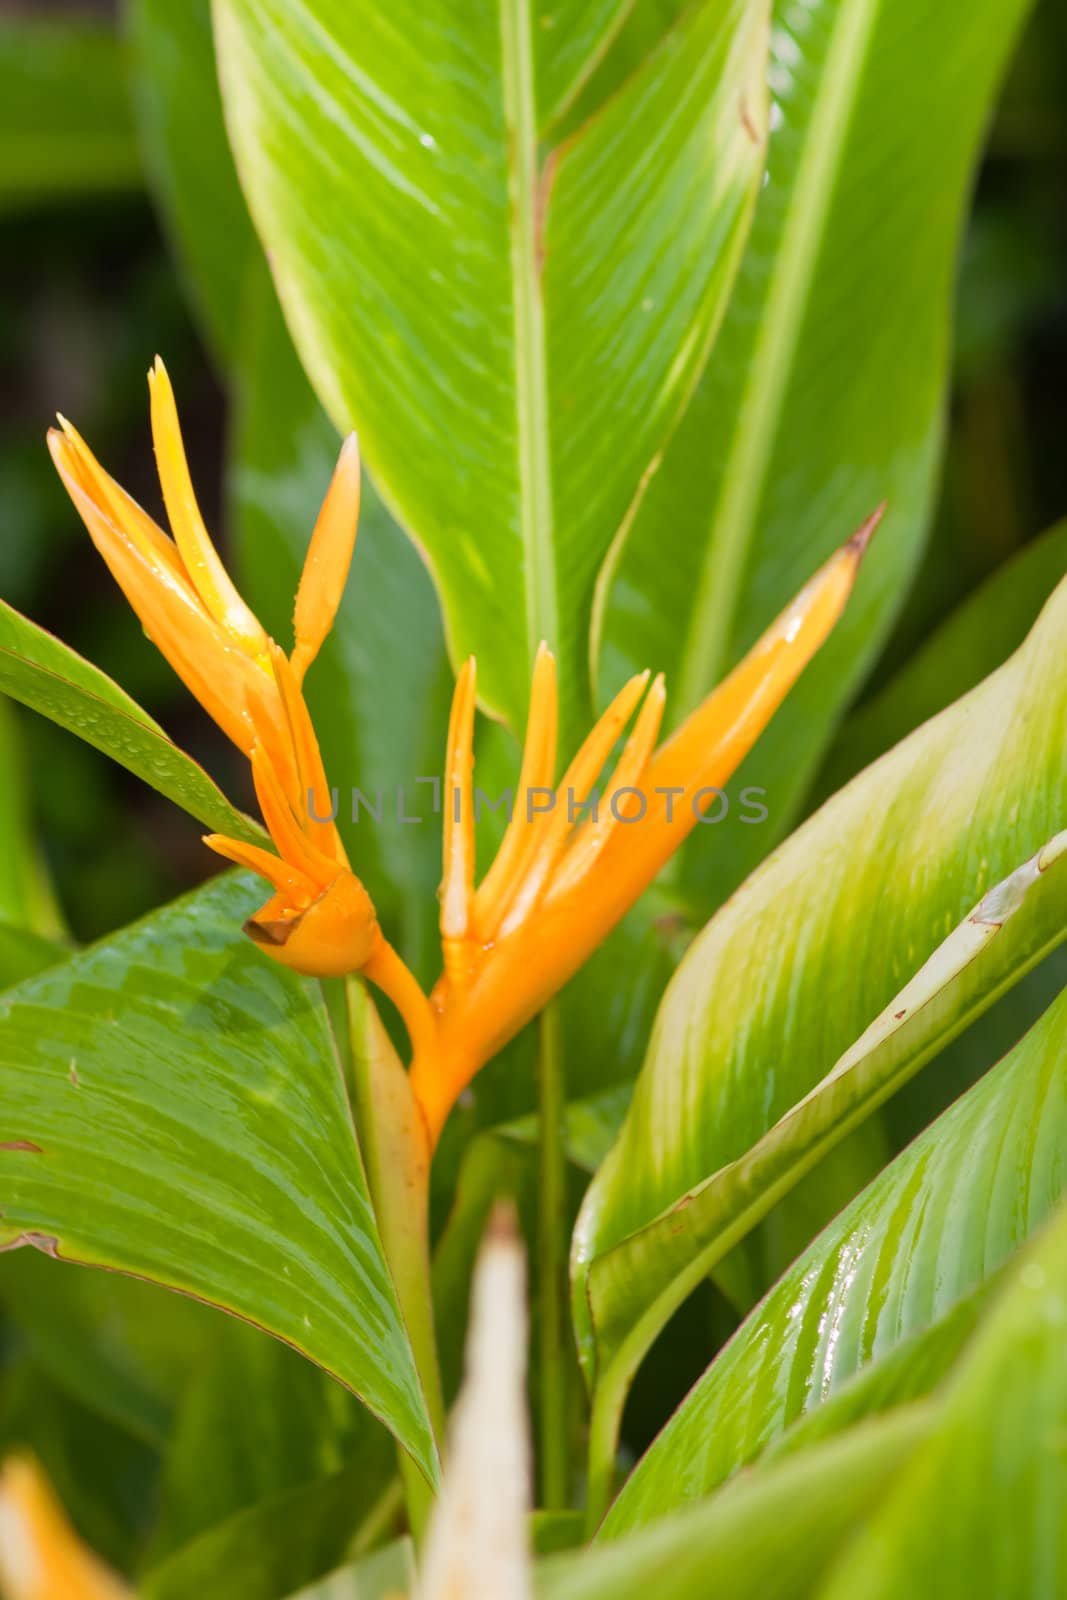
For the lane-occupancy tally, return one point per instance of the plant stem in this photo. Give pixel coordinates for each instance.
(603, 1441)
(397, 1158)
(552, 1260)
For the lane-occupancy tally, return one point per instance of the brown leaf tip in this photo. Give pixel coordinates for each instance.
(866, 531)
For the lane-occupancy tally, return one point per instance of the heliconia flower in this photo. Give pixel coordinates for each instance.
(560, 882)
(320, 920)
(41, 1556)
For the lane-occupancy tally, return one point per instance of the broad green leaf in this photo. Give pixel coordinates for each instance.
(173, 1108)
(65, 125)
(767, 1537)
(44, 674)
(939, 1221)
(633, 1288)
(514, 330)
(973, 642)
(776, 992)
(980, 1508)
(379, 689)
(187, 158)
(825, 391)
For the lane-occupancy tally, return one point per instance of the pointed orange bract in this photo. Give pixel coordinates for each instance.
(41, 1556)
(319, 919)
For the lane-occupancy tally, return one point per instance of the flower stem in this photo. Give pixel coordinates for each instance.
(552, 1259)
(397, 1158)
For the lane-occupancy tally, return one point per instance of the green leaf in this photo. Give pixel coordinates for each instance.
(65, 127)
(825, 392)
(25, 901)
(23, 953)
(939, 1221)
(817, 943)
(173, 1108)
(382, 1576)
(514, 331)
(42, 673)
(976, 639)
(767, 1537)
(285, 1541)
(254, 1422)
(979, 1510)
(633, 1288)
(188, 161)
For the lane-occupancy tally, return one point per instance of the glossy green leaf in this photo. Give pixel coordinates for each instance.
(65, 124)
(173, 1107)
(44, 674)
(825, 392)
(942, 1218)
(815, 945)
(976, 639)
(634, 1287)
(514, 331)
(767, 1537)
(940, 1529)
(187, 158)
(18, 868)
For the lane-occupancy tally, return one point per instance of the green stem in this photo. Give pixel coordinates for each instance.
(396, 1156)
(552, 1261)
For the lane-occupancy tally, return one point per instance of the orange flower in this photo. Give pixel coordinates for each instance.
(320, 920)
(41, 1556)
(559, 885)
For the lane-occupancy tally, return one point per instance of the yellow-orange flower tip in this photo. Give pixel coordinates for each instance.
(199, 556)
(41, 1556)
(322, 583)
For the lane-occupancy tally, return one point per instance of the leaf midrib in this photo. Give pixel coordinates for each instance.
(758, 409)
(531, 366)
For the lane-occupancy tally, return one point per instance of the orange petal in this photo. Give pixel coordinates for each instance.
(329, 557)
(315, 795)
(457, 885)
(41, 1556)
(212, 668)
(593, 836)
(72, 455)
(287, 879)
(201, 559)
(553, 826)
(537, 772)
(291, 842)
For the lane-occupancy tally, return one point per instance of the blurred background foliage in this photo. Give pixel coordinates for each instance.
(89, 291)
